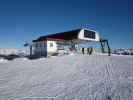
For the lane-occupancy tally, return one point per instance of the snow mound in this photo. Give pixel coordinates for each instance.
(77, 77)
(2, 60)
(21, 59)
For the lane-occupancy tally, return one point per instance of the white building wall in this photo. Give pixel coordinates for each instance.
(51, 46)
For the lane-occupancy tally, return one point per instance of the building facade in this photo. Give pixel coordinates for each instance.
(63, 41)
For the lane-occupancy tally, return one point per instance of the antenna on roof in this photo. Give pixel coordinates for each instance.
(88, 26)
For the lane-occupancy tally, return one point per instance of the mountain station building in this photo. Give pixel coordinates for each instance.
(66, 42)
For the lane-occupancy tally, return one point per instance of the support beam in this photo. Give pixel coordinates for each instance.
(102, 47)
(109, 50)
(104, 43)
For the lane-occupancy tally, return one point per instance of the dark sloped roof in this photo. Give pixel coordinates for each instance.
(69, 35)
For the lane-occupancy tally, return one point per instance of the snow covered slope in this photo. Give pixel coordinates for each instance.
(8, 51)
(71, 77)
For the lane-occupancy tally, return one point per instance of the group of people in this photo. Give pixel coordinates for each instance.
(74, 49)
(89, 50)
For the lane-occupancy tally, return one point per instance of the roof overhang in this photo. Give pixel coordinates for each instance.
(74, 35)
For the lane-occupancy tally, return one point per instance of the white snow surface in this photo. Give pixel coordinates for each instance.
(70, 77)
(2, 60)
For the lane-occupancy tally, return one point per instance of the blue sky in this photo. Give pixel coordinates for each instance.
(25, 20)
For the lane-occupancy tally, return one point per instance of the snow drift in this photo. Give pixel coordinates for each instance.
(71, 77)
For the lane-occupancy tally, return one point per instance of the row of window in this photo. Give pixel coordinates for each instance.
(40, 45)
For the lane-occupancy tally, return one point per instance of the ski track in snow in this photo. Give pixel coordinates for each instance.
(70, 77)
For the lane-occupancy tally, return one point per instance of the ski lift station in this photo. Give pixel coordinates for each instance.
(66, 42)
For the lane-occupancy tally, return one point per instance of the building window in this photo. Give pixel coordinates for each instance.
(89, 34)
(44, 45)
(40, 45)
(36, 45)
(51, 44)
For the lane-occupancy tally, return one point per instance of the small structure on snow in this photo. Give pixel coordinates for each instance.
(65, 41)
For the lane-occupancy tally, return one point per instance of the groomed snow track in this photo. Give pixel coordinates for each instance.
(70, 77)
